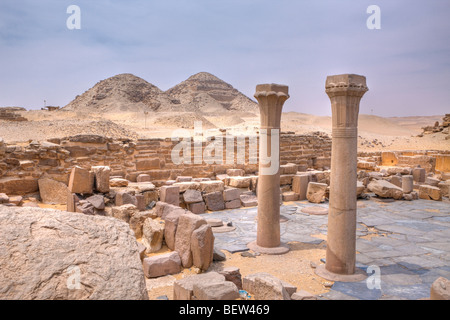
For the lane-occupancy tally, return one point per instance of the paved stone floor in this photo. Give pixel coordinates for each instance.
(410, 243)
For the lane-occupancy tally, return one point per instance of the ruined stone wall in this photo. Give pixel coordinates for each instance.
(22, 165)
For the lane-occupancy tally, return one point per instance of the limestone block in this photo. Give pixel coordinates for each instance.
(152, 234)
(72, 201)
(143, 178)
(187, 223)
(170, 227)
(18, 186)
(264, 286)
(233, 204)
(202, 247)
(231, 194)
(211, 186)
(286, 179)
(53, 192)
(396, 180)
(118, 182)
(249, 200)
(148, 164)
(214, 201)
(80, 181)
(240, 182)
(124, 197)
(232, 274)
(187, 185)
(303, 295)
(170, 194)
(300, 185)
(445, 188)
(54, 243)
(288, 169)
(183, 288)
(162, 265)
(430, 193)
(224, 290)
(385, 189)
(407, 183)
(432, 181)
(97, 201)
(4, 198)
(183, 179)
(162, 209)
(102, 174)
(124, 212)
(235, 172)
(290, 196)
(192, 196)
(419, 174)
(197, 208)
(316, 192)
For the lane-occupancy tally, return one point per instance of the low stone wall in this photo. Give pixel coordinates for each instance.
(22, 165)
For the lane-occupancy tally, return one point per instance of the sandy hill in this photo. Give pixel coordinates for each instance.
(205, 93)
(121, 93)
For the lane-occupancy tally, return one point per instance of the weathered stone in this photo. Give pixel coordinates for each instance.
(53, 192)
(50, 250)
(150, 196)
(232, 274)
(136, 222)
(231, 194)
(140, 202)
(407, 184)
(265, 287)
(16, 200)
(118, 182)
(85, 207)
(183, 288)
(239, 182)
(124, 197)
(303, 295)
(223, 290)
(162, 265)
(152, 235)
(219, 255)
(214, 201)
(248, 200)
(143, 178)
(192, 196)
(170, 194)
(270, 284)
(235, 172)
(148, 164)
(440, 289)
(124, 212)
(419, 174)
(187, 185)
(396, 180)
(300, 185)
(202, 247)
(197, 208)
(316, 192)
(162, 209)
(233, 204)
(4, 198)
(170, 229)
(187, 223)
(290, 196)
(80, 181)
(431, 181)
(289, 168)
(97, 201)
(385, 189)
(72, 202)
(430, 193)
(183, 179)
(102, 174)
(18, 186)
(141, 249)
(211, 186)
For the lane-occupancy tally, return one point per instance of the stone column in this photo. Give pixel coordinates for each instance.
(345, 92)
(271, 98)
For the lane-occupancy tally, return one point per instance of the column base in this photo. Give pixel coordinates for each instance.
(281, 249)
(358, 276)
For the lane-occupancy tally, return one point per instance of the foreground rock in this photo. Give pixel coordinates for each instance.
(45, 253)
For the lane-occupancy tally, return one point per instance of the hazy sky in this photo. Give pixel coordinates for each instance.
(243, 42)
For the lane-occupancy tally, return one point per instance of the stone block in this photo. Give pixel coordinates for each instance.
(183, 289)
(240, 182)
(231, 194)
(162, 209)
(124, 212)
(143, 178)
(440, 289)
(303, 295)
(235, 172)
(233, 204)
(102, 175)
(170, 227)
(97, 201)
(183, 179)
(289, 168)
(211, 186)
(202, 247)
(192, 196)
(124, 197)
(170, 194)
(419, 174)
(197, 208)
(432, 181)
(248, 200)
(152, 234)
(162, 265)
(140, 202)
(232, 274)
(187, 223)
(4, 198)
(264, 286)
(430, 193)
(286, 179)
(316, 192)
(192, 185)
(53, 192)
(118, 182)
(72, 201)
(80, 181)
(214, 201)
(300, 185)
(148, 164)
(224, 290)
(290, 196)
(385, 189)
(407, 183)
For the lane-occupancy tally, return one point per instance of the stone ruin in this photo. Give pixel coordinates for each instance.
(443, 127)
(9, 114)
(135, 183)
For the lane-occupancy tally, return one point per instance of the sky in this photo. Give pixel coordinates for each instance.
(243, 42)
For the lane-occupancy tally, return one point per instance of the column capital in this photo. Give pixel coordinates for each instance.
(346, 85)
(271, 98)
